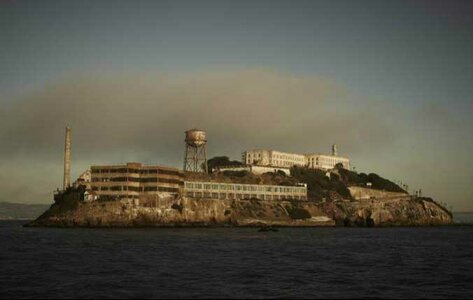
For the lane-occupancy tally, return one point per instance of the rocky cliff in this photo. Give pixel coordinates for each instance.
(392, 211)
(182, 212)
(185, 212)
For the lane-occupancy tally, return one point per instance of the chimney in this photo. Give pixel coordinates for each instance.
(67, 159)
(334, 150)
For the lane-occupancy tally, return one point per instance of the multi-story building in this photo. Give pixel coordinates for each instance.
(133, 180)
(321, 161)
(273, 158)
(326, 162)
(217, 190)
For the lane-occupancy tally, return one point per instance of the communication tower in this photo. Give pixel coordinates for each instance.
(195, 159)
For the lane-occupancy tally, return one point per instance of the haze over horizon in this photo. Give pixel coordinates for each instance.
(390, 82)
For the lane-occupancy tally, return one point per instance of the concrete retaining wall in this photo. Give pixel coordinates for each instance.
(360, 193)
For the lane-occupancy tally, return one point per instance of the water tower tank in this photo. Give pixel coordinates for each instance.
(196, 137)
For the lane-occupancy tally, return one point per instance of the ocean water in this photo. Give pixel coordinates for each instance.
(433, 262)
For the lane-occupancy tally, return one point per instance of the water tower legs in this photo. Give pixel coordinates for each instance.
(195, 158)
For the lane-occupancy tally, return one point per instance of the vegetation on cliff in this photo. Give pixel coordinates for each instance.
(220, 161)
(278, 178)
(330, 184)
(319, 185)
(362, 179)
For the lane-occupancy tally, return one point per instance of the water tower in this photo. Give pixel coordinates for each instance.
(195, 159)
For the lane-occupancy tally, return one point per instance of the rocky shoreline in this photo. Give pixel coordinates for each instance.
(185, 212)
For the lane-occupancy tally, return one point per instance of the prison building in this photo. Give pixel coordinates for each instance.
(277, 159)
(132, 180)
(216, 190)
(326, 162)
(273, 158)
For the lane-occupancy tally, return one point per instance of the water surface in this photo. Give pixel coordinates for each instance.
(432, 262)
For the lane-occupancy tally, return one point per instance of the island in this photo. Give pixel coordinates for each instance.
(267, 188)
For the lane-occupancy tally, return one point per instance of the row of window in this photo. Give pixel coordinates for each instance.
(244, 187)
(242, 196)
(136, 189)
(136, 171)
(277, 157)
(138, 179)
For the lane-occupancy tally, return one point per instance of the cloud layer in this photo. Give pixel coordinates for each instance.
(142, 117)
(145, 112)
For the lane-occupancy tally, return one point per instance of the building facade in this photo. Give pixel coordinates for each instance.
(216, 190)
(326, 162)
(277, 159)
(132, 180)
(273, 158)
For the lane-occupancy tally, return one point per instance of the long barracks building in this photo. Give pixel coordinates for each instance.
(218, 190)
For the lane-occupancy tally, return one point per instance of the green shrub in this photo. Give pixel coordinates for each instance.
(361, 179)
(219, 161)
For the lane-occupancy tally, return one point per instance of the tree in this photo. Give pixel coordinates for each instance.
(220, 161)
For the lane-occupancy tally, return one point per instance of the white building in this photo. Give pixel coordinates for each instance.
(220, 190)
(326, 162)
(272, 158)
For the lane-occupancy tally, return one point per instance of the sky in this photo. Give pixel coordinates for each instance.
(390, 82)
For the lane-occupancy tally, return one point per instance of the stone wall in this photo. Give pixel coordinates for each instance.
(361, 193)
